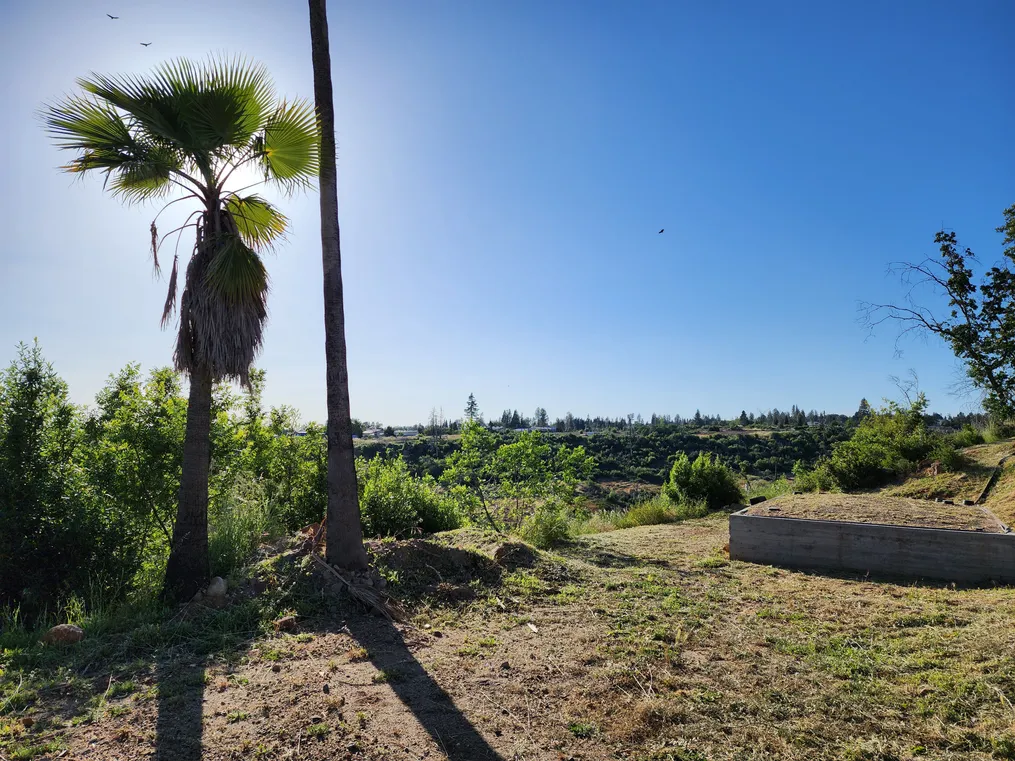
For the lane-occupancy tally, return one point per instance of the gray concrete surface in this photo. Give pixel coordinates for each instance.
(969, 557)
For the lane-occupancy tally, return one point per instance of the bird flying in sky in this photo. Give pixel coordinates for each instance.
(112, 17)
(661, 231)
(146, 44)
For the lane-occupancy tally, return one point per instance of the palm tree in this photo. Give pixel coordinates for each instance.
(344, 541)
(181, 133)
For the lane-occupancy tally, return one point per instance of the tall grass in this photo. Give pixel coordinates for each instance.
(659, 509)
(240, 519)
(770, 489)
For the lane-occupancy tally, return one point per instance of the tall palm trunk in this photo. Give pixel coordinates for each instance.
(187, 570)
(345, 536)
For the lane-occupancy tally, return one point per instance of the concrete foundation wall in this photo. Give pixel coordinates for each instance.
(970, 557)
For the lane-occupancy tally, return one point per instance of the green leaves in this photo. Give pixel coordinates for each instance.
(260, 224)
(87, 124)
(188, 122)
(202, 108)
(236, 272)
(291, 145)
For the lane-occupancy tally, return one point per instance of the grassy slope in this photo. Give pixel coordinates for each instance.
(964, 484)
(648, 644)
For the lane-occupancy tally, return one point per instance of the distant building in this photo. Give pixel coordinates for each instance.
(373, 433)
(405, 432)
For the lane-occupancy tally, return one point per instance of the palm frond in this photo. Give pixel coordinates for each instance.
(235, 272)
(170, 305)
(291, 147)
(87, 124)
(260, 224)
(148, 176)
(201, 107)
(223, 308)
(136, 168)
(155, 247)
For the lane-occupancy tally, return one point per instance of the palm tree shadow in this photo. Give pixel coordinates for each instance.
(179, 726)
(432, 706)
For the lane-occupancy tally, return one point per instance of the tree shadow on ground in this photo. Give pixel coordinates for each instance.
(179, 726)
(418, 691)
(608, 558)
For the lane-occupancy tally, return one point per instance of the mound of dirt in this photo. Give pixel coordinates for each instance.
(424, 567)
(516, 555)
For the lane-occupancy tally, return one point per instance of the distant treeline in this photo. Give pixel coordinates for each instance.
(795, 417)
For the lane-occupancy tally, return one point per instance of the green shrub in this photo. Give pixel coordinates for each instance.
(393, 502)
(888, 443)
(997, 431)
(950, 459)
(547, 526)
(819, 478)
(706, 479)
(52, 535)
(967, 437)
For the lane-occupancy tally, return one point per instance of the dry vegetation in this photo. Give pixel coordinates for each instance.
(642, 644)
(874, 508)
(965, 483)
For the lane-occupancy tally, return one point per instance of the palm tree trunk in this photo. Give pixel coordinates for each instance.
(345, 536)
(188, 570)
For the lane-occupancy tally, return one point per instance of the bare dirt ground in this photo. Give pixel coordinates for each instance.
(645, 644)
(874, 508)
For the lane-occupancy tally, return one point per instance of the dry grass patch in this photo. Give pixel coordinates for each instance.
(1001, 499)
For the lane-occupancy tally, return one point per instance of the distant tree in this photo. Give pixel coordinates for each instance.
(697, 417)
(389, 431)
(744, 420)
(356, 427)
(471, 408)
(980, 321)
(863, 411)
(516, 420)
(435, 425)
(541, 419)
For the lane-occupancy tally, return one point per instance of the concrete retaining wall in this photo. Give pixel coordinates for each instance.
(970, 557)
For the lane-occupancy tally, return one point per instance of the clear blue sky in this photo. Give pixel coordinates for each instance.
(504, 169)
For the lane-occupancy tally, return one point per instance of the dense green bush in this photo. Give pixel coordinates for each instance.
(705, 479)
(949, 459)
(818, 478)
(967, 437)
(887, 444)
(998, 431)
(52, 539)
(393, 502)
